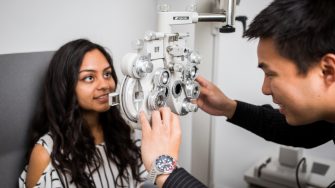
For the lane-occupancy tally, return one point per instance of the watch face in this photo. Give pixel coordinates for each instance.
(165, 164)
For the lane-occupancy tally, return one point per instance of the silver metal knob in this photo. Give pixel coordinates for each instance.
(161, 77)
(192, 90)
(142, 67)
(194, 57)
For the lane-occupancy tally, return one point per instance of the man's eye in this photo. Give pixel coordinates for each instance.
(269, 74)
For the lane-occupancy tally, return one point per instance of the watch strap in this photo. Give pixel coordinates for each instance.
(152, 175)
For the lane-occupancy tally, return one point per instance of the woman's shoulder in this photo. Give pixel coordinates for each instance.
(39, 160)
(40, 155)
(46, 142)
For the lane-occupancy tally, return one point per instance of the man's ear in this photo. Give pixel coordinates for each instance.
(328, 68)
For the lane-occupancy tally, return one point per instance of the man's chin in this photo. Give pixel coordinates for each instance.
(297, 122)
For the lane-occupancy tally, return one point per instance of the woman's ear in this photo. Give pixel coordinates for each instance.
(328, 68)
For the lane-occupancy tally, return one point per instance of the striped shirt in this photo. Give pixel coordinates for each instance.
(105, 176)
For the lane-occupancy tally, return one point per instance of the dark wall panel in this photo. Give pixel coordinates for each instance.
(21, 78)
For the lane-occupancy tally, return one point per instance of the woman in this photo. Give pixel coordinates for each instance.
(78, 140)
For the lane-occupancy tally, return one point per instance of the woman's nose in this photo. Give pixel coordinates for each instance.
(103, 84)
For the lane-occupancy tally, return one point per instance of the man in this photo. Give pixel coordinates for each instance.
(296, 51)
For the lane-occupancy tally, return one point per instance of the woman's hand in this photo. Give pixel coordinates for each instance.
(163, 137)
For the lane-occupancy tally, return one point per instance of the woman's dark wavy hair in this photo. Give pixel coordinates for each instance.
(303, 30)
(59, 113)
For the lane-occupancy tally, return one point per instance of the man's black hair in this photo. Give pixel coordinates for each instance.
(303, 30)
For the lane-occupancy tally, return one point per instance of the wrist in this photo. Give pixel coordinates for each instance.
(161, 168)
(160, 180)
(230, 108)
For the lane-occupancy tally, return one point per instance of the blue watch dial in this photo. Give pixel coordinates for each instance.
(165, 164)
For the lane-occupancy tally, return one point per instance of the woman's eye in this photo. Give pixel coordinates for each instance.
(88, 79)
(108, 74)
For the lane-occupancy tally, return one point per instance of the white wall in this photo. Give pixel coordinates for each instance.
(232, 150)
(38, 25)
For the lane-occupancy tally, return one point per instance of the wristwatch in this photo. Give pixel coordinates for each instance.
(164, 164)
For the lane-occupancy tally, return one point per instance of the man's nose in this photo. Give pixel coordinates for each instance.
(266, 87)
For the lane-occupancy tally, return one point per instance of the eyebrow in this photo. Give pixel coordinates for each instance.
(91, 70)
